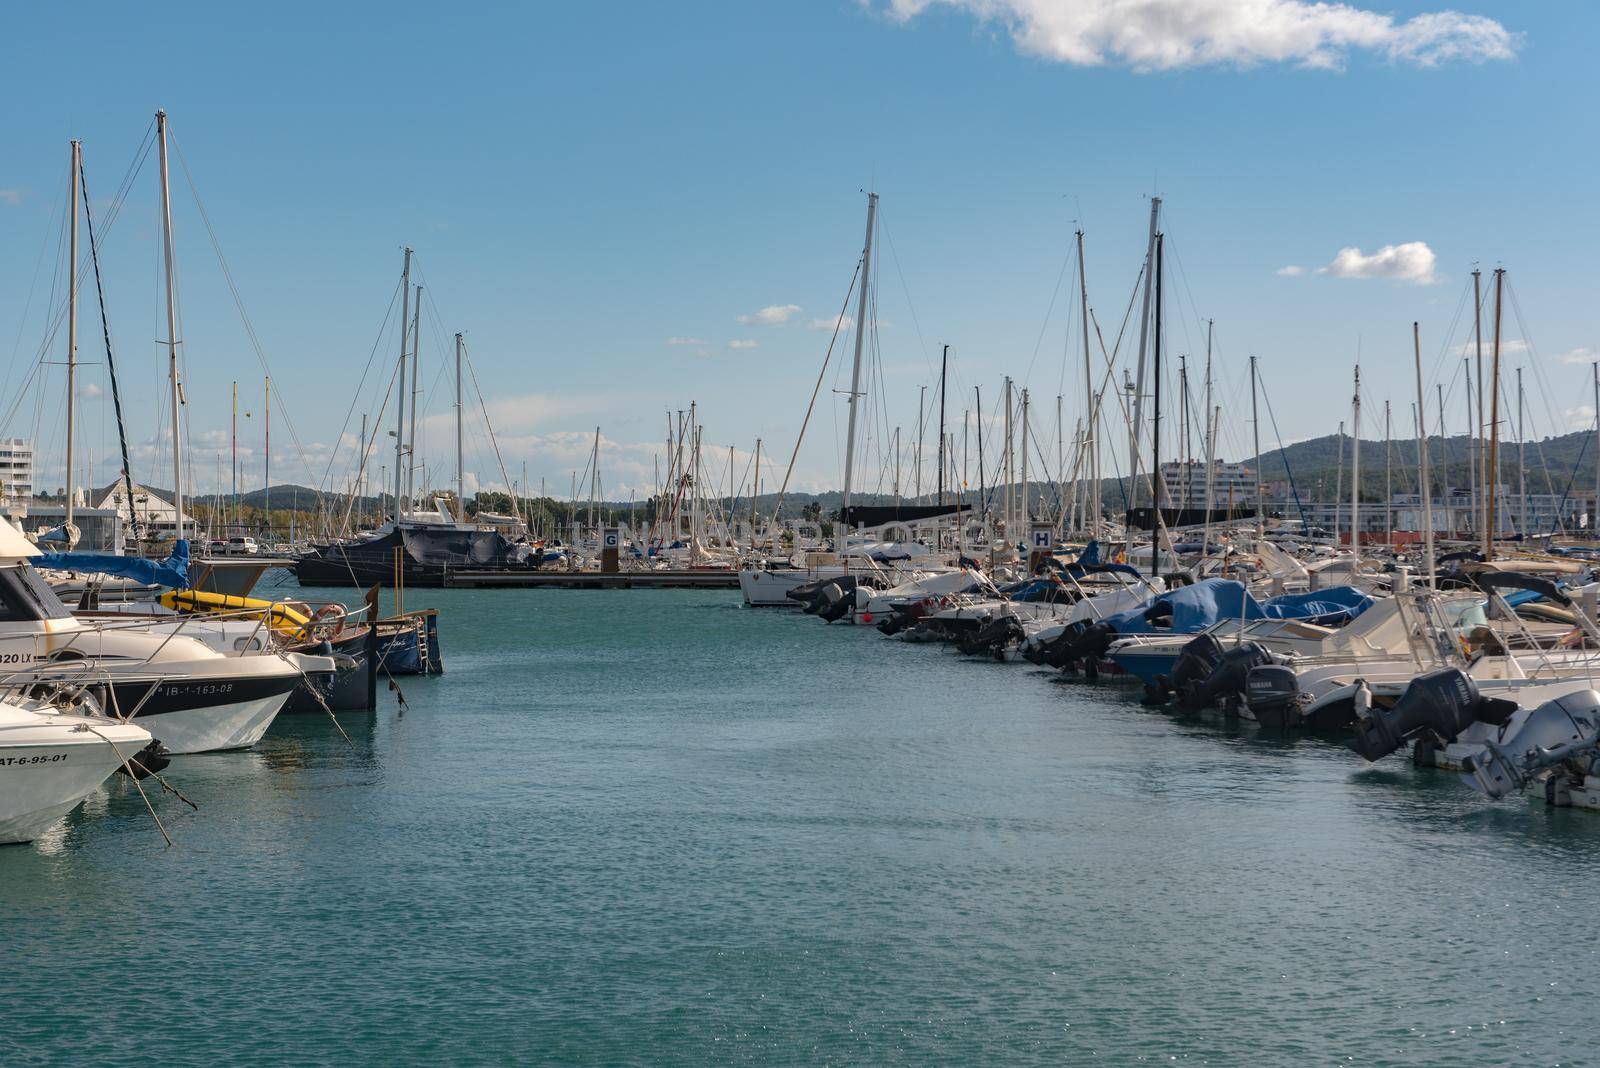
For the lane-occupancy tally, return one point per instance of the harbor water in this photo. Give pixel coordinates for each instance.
(658, 827)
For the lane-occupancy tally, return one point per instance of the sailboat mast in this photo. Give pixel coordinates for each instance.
(1024, 514)
(1355, 472)
(400, 410)
(1091, 422)
(944, 370)
(461, 477)
(1255, 430)
(1522, 462)
(266, 458)
(172, 327)
(861, 337)
(1155, 425)
(1136, 431)
(1388, 478)
(1422, 461)
(72, 324)
(416, 395)
(1494, 418)
(1006, 463)
(1480, 470)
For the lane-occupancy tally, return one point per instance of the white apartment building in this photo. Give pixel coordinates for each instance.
(16, 469)
(1185, 484)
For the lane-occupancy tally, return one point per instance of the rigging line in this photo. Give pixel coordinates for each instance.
(783, 491)
(244, 316)
(111, 363)
(368, 445)
(466, 357)
(355, 396)
(112, 214)
(1282, 453)
(1048, 312)
(912, 308)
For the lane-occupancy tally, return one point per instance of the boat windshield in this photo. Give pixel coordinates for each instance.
(27, 598)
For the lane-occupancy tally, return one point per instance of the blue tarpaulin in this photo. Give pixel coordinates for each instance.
(173, 571)
(1194, 608)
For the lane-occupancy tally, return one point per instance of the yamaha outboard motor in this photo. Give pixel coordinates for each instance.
(1090, 643)
(1272, 693)
(1195, 661)
(1227, 678)
(1558, 731)
(1443, 703)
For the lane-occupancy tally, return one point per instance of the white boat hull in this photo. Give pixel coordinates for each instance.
(40, 783)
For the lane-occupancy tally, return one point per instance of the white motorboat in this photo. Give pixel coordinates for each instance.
(192, 698)
(51, 760)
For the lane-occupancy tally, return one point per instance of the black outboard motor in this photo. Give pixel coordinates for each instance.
(896, 621)
(993, 637)
(1227, 678)
(1442, 703)
(827, 593)
(1272, 694)
(1090, 643)
(1195, 662)
(151, 760)
(838, 599)
(804, 592)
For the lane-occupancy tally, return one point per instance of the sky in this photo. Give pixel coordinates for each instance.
(626, 208)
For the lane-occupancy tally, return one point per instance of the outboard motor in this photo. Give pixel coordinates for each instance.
(1227, 678)
(1558, 731)
(1443, 703)
(994, 636)
(829, 592)
(151, 760)
(1272, 693)
(806, 591)
(1195, 662)
(836, 602)
(896, 621)
(1089, 643)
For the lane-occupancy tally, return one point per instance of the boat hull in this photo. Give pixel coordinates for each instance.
(41, 783)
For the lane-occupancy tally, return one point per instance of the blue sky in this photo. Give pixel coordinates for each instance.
(583, 183)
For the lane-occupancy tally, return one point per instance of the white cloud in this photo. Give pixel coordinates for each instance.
(1508, 346)
(90, 389)
(1291, 271)
(1149, 35)
(1581, 354)
(12, 196)
(684, 341)
(771, 315)
(1579, 418)
(743, 343)
(843, 322)
(1411, 262)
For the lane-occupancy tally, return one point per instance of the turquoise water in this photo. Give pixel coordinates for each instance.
(649, 826)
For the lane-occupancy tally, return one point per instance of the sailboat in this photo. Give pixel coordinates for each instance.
(860, 555)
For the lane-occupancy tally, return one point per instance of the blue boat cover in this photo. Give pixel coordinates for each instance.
(173, 571)
(1194, 608)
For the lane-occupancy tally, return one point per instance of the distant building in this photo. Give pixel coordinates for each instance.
(16, 469)
(1185, 484)
(155, 512)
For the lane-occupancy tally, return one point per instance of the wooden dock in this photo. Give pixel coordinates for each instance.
(594, 580)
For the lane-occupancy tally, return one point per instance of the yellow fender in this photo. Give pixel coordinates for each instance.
(284, 619)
